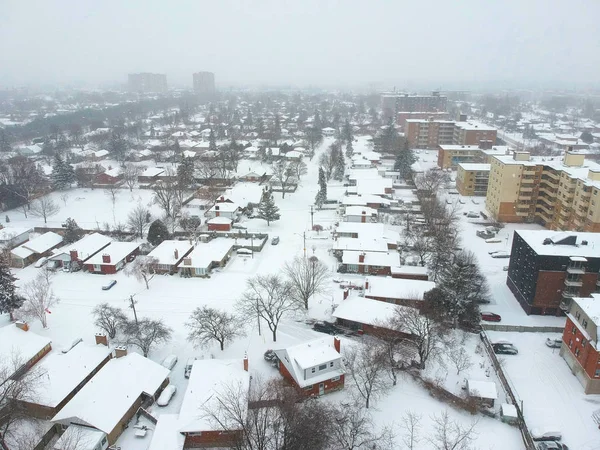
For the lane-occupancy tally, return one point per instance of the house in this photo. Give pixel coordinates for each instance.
(362, 245)
(410, 273)
(370, 200)
(64, 374)
(169, 254)
(484, 392)
(372, 263)
(11, 237)
(360, 214)
(224, 209)
(219, 223)
(328, 131)
(113, 396)
(398, 291)
(111, 177)
(150, 175)
(21, 347)
(72, 255)
(206, 256)
(246, 195)
(374, 186)
(580, 342)
(253, 177)
(367, 231)
(99, 155)
(314, 368)
(549, 268)
(34, 249)
(112, 258)
(210, 379)
(86, 438)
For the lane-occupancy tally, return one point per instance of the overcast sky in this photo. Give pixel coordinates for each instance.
(445, 43)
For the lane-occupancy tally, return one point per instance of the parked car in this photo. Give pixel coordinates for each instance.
(505, 349)
(326, 327)
(551, 445)
(472, 215)
(170, 361)
(501, 255)
(490, 317)
(275, 240)
(41, 262)
(109, 285)
(188, 367)
(542, 434)
(554, 342)
(166, 395)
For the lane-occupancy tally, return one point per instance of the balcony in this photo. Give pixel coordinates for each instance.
(575, 269)
(575, 282)
(567, 295)
(565, 304)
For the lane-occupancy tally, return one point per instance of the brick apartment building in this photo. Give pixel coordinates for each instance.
(558, 193)
(547, 269)
(472, 179)
(403, 116)
(580, 338)
(393, 102)
(429, 133)
(450, 156)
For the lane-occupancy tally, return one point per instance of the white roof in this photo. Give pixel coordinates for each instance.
(21, 252)
(100, 153)
(225, 207)
(204, 254)
(118, 251)
(166, 435)
(85, 438)
(410, 270)
(16, 342)
(105, 399)
(364, 199)
(113, 172)
(365, 310)
(359, 210)
(293, 154)
(475, 167)
(165, 252)
(209, 379)
(590, 306)
(8, 233)
(86, 246)
(367, 230)
(152, 172)
(397, 288)
(64, 372)
(219, 220)
(365, 244)
(509, 410)
(482, 389)
(535, 239)
(189, 154)
(244, 193)
(388, 259)
(373, 185)
(44, 242)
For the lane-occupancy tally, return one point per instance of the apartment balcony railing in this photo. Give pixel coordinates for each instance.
(575, 269)
(573, 282)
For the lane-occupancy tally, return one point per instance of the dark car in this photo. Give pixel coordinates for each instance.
(109, 285)
(551, 445)
(325, 327)
(505, 349)
(490, 317)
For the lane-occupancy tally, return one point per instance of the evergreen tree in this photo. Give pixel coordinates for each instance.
(118, 147)
(404, 160)
(277, 129)
(185, 173)
(340, 165)
(62, 173)
(212, 143)
(176, 148)
(317, 121)
(4, 142)
(349, 149)
(157, 232)
(347, 132)
(9, 299)
(48, 147)
(267, 209)
(321, 197)
(72, 231)
(389, 138)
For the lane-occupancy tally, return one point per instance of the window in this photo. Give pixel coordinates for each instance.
(584, 324)
(97, 268)
(331, 364)
(323, 367)
(570, 343)
(313, 370)
(597, 374)
(104, 440)
(338, 378)
(574, 330)
(577, 351)
(308, 388)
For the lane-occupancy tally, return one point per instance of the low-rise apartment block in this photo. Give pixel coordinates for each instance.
(472, 179)
(429, 133)
(450, 156)
(560, 194)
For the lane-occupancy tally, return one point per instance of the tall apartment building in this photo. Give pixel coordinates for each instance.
(394, 102)
(472, 178)
(204, 83)
(548, 269)
(147, 82)
(560, 195)
(429, 133)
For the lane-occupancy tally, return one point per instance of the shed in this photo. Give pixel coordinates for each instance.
(483, 391)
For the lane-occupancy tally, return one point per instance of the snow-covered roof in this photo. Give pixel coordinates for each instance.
(590, 306)
(107, 397)
(166, 435)
(115, 172)
(15, 342)
(165, 252)
(397, 288)
(364, 199)
(85, 438)
(209, 379)
(388, 259)
(293, 154)
(225, 207)
(63, 372)
(44, 242)
(22, 252)
(9, 233)
(367, 230)
(245, 193)
(204, 254)
(367, 244)
(189, 154)
(535, 239)
(220, 220)
(373, 185)
(409, 270)
(100, 153)
(360, 211)
(117, 251)
(482, 389)
(475, 167)
(86, 246)
(152, 172)
(365, 310)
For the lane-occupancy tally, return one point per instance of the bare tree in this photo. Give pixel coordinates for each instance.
(64, 197)
(139, 219)
(424, 331)
(431, 181)
(267, 297)
(109, 319)
(308, 276)
(283, 173)
(169, 194)
(209, 324)
(353, 429)
(328, 160)
(143, 268)
(460, 359)
(44, 207)
(299, 168)
(190, 224)
(366, 366)
(389, 344)
(450, 435)
(411, 423)
(146, 333)
(39, 298)
(130, 175)
(112, 192)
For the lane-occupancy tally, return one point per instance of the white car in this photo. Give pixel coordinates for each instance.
(501, 255)
(170, 361)
(166, 395)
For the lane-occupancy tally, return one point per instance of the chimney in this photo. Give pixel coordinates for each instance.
(361, 258)
(176, 254)
(336, 344)
(120, 351)
(246, 362)
(221, 199)
(73, 254)
(106, 258)
(345, 294)
(101, 339)
(22, 325)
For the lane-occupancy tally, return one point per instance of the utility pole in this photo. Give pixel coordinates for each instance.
(258, 315)
(132, 306)
(304, 237)
(312, 213)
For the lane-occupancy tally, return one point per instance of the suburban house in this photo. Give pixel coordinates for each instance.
(549, 268)
(328, 131)
(366, 231)
(64, 375)
(99, 155)
(224, 207)
(150, 175)
(580, 342)
(398, 291)
(484, 392)
(34, 249)
(112, 258)
(10, 237)
(219, 223)
(112, 397)
(111, 177)
(360, 245)
(371, 201)
(360, 214)
(21, 347)
(372, 263)
(79, 252)
(86, 438)
(206, 256)
(314, 368)
(410, 273)
(169, 254)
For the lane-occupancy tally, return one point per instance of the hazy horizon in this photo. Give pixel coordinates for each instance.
(412, 45)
